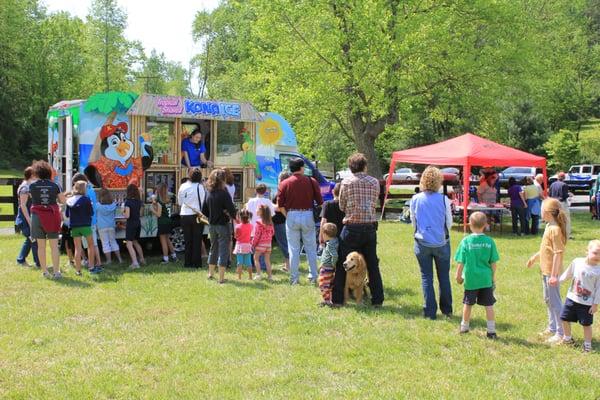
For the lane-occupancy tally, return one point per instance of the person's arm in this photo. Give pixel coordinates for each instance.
(522, 195)
(126, 212)
(568, 274)
(557, 261)
(448, 213)
(156, 209)
(316, 191)
(23, 199)
(413, 209)
(459, 272)
(533, 259)
(281, 199)
(61, 198)
(257, 234)
(596, 299)
(229, 206)
(343, 198)
(493, 267)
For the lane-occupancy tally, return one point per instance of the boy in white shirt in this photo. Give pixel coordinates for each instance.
(583, 295)
(255, 203)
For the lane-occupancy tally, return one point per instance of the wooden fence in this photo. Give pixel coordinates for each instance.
(12, 200)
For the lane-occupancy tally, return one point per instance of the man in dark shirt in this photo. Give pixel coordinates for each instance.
(560, 191)
(297, 196)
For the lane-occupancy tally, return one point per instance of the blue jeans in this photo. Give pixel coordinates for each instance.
(28, 245)
(300, 228)
(554, 304)
(426, 256)
(281, 238)
(220, 237)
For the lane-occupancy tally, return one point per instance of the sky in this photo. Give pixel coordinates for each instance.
(174, 19)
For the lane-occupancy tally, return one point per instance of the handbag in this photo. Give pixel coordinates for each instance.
(200, 218)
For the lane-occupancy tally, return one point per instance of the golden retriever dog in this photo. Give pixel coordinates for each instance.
(356, 274)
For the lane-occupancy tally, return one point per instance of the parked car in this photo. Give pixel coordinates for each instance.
(580, 176)
(519, 173)
(450, 174)
(404, 174)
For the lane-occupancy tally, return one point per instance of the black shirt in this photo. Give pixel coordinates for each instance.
(332, 213)
(278, 218)
(44, 192)
(218, 207)
(134, 209)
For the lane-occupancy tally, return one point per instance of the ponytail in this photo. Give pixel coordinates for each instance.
(554, 208)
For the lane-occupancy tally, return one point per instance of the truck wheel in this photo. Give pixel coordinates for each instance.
(177, 239)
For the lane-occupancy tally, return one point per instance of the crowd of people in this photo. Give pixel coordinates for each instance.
(348, 223)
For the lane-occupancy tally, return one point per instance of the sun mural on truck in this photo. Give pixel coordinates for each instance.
(111, 163)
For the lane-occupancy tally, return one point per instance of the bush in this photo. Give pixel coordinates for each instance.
(563, 150)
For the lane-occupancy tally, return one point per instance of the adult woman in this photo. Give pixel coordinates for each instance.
(431, 217)
(193, 150)
(534, 205)
(45, 215)
(190, 198)
(23, 220)
(219, 209)
(279, 225)
(487, 192)
(518, 207)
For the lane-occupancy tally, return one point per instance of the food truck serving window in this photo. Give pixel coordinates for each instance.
(163, 140)
(229, 142)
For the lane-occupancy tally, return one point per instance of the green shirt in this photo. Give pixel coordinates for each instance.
(477, 252)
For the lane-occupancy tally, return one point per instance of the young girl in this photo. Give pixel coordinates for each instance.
(551, 259)
(105, 212)
(261, 242)
(79, 211)
(159, 209)
(243, 245)
(133, 206)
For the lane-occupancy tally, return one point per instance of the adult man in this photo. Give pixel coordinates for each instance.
(297, 196)
(358, 199)
(560, 190)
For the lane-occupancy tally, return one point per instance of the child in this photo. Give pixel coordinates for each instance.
(476, 257)
(105, 211)
(133, 227)
(243, 245)
(328, 261)
(79, 211)
(551, 258)
(583, 295)
(261, 242)
(159, 208)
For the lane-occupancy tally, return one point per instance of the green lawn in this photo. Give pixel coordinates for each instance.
(165, 332)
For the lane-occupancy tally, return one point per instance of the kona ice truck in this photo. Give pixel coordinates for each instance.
(276, 144)
(117, 138)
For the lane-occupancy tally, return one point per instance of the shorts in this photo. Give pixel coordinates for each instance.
(164, 229)
(108, 240)
(132, 232)
(94, 238)
(576, 312)
(37, 232)
(483, 297)
(81, 231)
(244, 260)
(263, 248)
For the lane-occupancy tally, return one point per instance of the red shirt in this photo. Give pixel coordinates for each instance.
(298, 192)
(243, 233)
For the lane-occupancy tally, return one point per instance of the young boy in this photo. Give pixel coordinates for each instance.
(328, 261)
(583, 295)
(476, 257)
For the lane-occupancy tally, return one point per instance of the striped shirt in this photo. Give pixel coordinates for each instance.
(358, 198)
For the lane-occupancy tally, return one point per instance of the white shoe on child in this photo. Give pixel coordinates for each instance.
(554, 339)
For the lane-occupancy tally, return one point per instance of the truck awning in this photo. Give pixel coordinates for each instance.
(152, 105)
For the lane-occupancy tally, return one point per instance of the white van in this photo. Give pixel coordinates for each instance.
(580, 176)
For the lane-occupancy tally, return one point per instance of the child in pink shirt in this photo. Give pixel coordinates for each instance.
(243, 245)
(261, 242)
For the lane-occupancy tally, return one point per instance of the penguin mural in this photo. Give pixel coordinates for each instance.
(116, 167)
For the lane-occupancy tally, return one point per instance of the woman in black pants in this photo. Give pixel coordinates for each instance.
(190, 199)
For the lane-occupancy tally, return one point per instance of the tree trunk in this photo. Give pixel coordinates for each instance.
(365, 143)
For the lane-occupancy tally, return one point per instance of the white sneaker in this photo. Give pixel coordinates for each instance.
(257, 277)
(554, 339)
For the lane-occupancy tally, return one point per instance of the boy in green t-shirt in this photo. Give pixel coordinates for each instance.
(476, 257)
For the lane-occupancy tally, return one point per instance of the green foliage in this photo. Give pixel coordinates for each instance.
(108, 102)
(563, 150)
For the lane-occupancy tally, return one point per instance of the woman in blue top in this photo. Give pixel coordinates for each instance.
(431, 218)
(518, 206)
(193, 150)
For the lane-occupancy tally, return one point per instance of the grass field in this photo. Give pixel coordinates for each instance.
(165, 332)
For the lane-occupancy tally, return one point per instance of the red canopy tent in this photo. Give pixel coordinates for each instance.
(468, 150)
